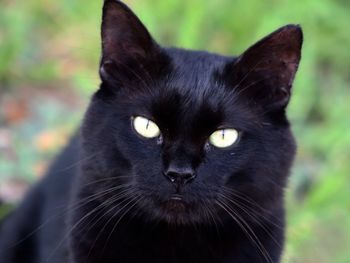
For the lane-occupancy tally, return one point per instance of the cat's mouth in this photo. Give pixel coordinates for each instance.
(175, 205)
(176, 209)
(176, 197)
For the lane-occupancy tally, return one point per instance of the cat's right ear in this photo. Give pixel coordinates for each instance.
(128, 50)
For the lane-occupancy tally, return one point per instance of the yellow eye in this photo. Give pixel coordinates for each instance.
(146, 127)
(223, 138)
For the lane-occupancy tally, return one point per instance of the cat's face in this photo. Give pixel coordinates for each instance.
(185, 131)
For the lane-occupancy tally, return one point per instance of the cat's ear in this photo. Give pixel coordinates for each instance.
(265, 72)
(128, 49)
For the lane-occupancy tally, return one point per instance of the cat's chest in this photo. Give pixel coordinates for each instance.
(135, 242)
(160, 246)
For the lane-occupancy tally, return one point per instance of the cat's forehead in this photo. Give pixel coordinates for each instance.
(193, 95)
(194, 70)
(195, 77)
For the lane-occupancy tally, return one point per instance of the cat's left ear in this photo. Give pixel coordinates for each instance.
(128, 50)
(265, 72)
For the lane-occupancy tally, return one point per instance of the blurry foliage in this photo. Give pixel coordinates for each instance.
(55, 44)
(4, 209)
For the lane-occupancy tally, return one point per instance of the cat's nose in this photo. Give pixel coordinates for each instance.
(180, 175)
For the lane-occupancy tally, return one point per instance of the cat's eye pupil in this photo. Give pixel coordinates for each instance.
(145, 127)
(223, 138)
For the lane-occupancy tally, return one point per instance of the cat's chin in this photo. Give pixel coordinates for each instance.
(177, 211)
(175, 214)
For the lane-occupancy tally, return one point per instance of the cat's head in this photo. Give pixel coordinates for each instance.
(189, 133)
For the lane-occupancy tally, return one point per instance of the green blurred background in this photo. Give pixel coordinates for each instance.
(49, 54)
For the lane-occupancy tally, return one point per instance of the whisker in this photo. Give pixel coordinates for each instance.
(71, 230)
(120, 196)
(211, 215)
(128, 201)
(61, 213)
(76, 225)
(277, 222)
(250, 201)
(120, 218)
(246, 228)
(76, 163)
(260, 223)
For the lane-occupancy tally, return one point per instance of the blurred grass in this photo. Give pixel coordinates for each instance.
(5, 209)
(54, 45)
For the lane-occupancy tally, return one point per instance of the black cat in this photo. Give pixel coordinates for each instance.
(183, 156)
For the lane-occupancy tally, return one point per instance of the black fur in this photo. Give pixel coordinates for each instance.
(106, 198)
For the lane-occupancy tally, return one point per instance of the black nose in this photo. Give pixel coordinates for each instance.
(180, 175)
